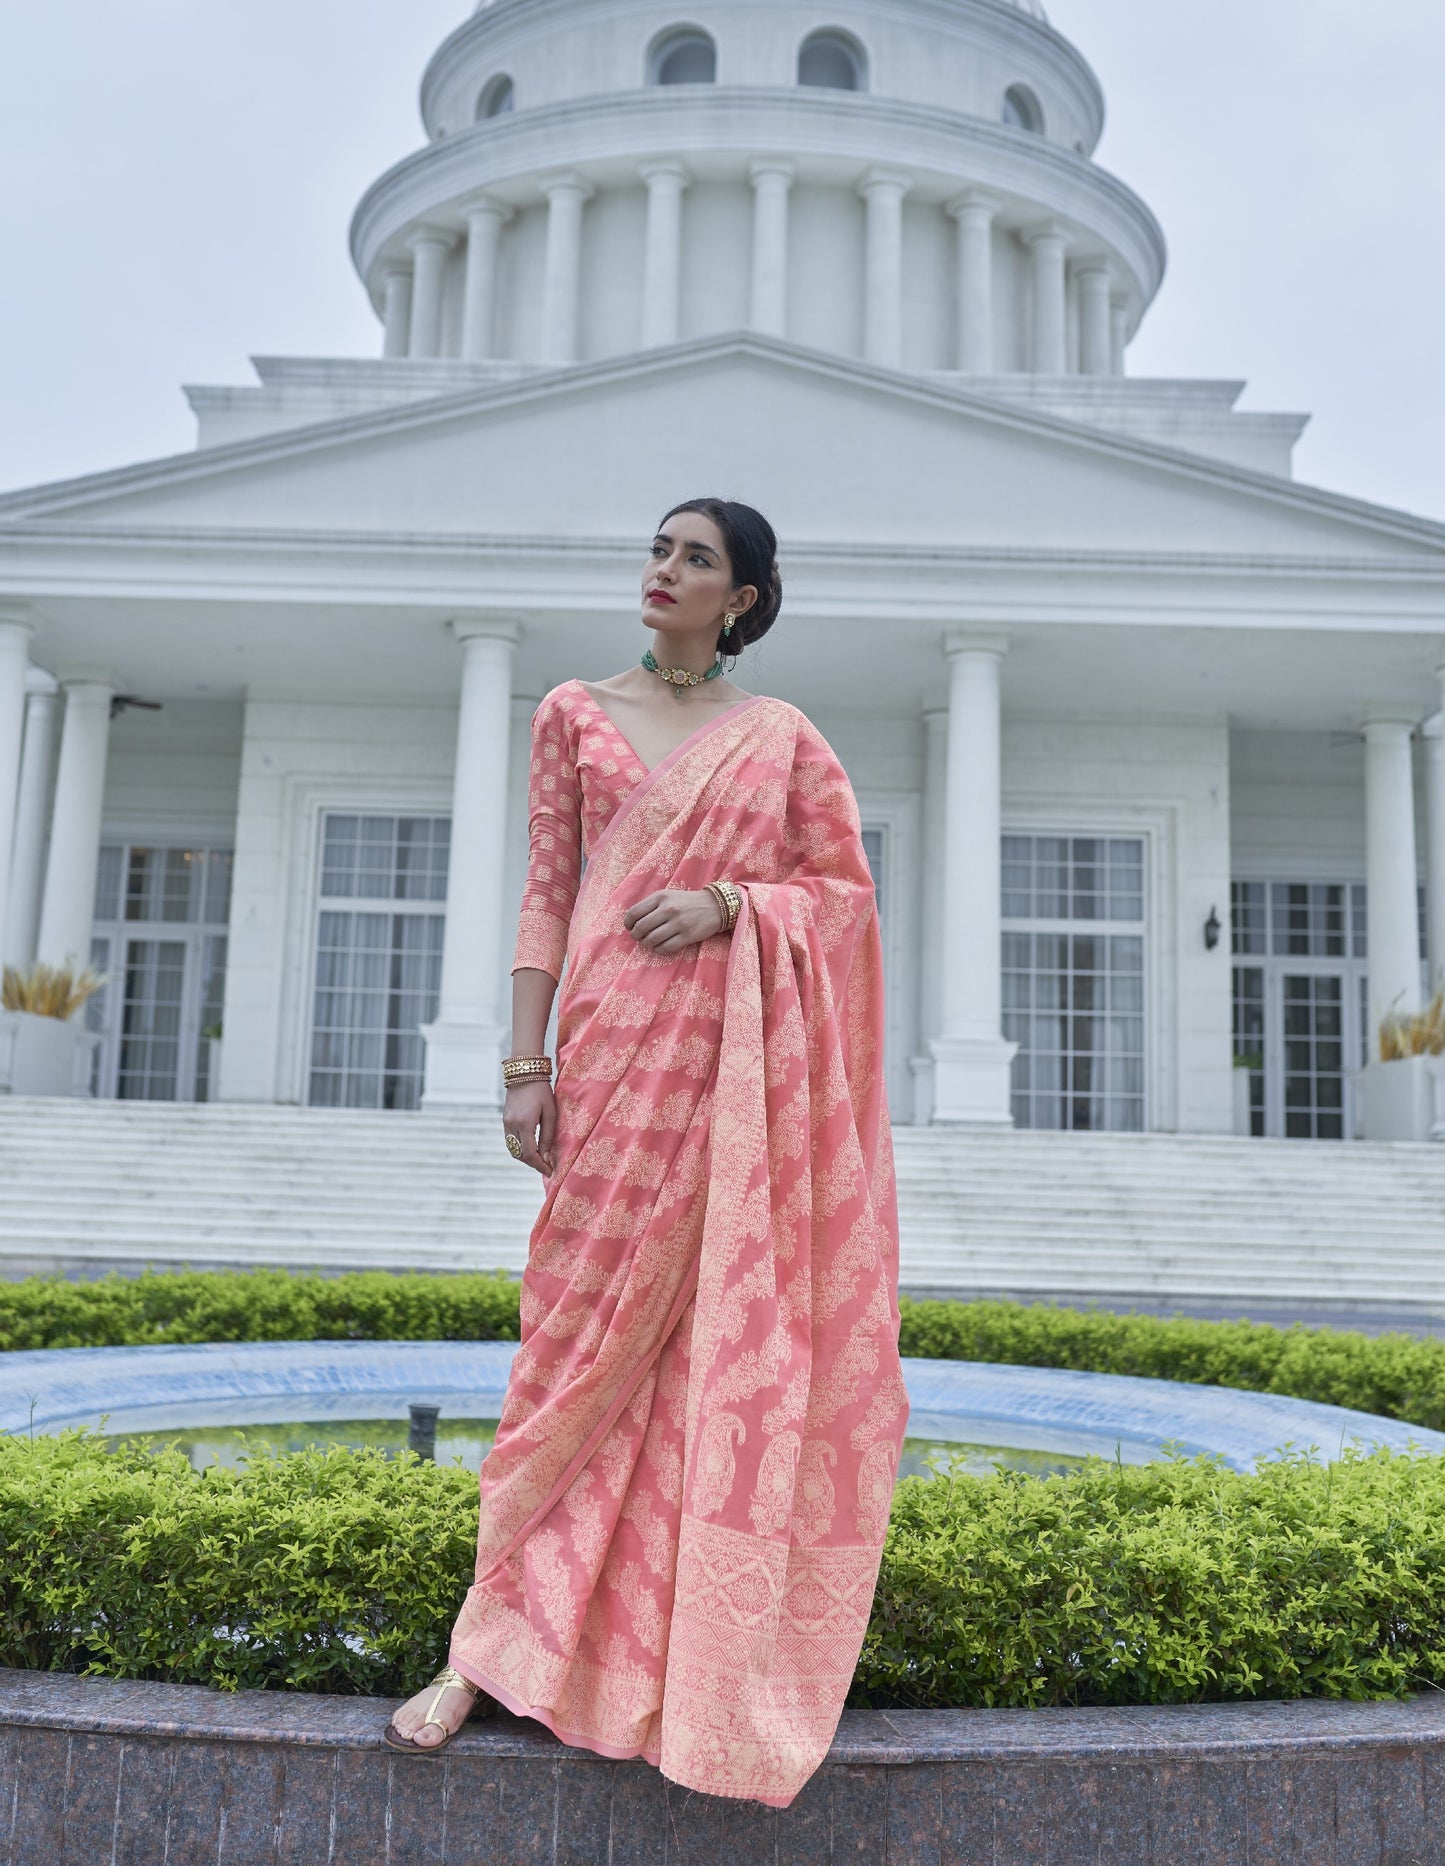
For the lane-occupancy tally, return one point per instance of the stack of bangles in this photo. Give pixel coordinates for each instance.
(539, 1068)
(730, 900)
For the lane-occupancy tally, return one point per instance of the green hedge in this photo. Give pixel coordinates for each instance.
(341, 1571)
(319, 1571)
(256, 1305)
(1163, 1584)
(1396, 1375)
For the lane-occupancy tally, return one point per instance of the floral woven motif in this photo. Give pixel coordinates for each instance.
(683, 1515)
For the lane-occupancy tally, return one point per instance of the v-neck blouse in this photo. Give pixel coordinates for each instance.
(582, 770)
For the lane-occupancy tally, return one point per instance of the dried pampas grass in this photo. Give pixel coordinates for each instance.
(1422, 1034)
(49, 990)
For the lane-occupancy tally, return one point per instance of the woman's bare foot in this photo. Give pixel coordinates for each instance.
(454, 1709)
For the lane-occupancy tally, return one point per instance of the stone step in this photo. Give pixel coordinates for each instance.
(1004, 1235)
(401, 1183)
(1157, 1216)
(136, 1231)
(23, 1114)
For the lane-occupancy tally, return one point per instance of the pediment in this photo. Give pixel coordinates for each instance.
(831, 450)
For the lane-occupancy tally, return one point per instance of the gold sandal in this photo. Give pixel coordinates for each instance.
(444, 1680)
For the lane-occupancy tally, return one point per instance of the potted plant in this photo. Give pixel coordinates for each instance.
(1405, 1085)
(44, 1050)
(1246, 1062)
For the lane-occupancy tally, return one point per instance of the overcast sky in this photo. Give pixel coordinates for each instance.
(178, 176)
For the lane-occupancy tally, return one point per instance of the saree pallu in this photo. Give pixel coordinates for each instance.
(683, 1514)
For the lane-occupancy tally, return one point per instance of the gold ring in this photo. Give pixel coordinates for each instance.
(514, 1146)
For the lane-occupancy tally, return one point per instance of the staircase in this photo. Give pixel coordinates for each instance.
(1204, 1220)
(1152, 1219)
(131, 1183)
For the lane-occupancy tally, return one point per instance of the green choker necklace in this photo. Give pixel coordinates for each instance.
(679, 677)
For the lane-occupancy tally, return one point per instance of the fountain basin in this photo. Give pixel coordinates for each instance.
(169, 1388)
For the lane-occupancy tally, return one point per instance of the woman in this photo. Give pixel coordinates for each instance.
(683, 1514)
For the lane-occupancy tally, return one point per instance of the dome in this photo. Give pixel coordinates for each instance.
(603, 176)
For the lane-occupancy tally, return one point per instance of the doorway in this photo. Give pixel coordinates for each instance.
(1305, 1024)
(160, 938)
(1300, 1005)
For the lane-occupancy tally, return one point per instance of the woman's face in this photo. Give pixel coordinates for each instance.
(687, 583)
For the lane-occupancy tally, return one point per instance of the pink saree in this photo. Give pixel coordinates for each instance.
(683, 1515)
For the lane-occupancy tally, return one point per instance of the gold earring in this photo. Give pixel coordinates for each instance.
(728, 621)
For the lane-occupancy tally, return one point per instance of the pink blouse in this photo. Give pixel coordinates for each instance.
(582, 768)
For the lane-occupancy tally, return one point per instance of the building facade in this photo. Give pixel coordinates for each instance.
(1145, 734)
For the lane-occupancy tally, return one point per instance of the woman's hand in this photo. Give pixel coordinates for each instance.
(675, 918)
(531, 1105)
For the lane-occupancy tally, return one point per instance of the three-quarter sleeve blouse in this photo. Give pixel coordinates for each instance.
(581, 770)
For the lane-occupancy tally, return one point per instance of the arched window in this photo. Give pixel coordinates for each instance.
(831, 62)
(1021, 110)
(686, 56)
(497, 98)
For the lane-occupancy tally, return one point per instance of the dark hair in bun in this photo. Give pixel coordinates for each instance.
(752, 547)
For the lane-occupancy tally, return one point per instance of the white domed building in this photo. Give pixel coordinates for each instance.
(1132, 716)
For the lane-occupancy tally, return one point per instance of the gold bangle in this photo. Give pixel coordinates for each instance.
(731, 901)
(722, 900)
(526, 1068)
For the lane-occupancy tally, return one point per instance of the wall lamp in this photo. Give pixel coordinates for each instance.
(1211, 931)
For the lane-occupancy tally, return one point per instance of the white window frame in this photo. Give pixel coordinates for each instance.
(305, 803)
(1304, 867)
(386, 906)
(664, 43)
(857, 51)
(214, 835)
(1158, 826)
(1295, 965)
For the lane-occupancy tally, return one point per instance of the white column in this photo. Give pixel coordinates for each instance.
(1048, 245)
(68, 906)
(464, 1045)
(566, 195)
(479, 300)
(662, 261)
(429, 250)
(1095, 336)
(971, 1058)
(1393, 1100)
(772, 178)
(1118, 335)
(27, 858)
(1392, 924)
(1435, 830)
(930, 906)
(14, 663)
(974, 213)
(396, 311)
(883, 189)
